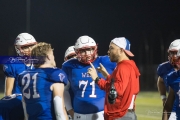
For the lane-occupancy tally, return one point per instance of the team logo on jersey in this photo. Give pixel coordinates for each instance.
(61, 77)
(5, 67)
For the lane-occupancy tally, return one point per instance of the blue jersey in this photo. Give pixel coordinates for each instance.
(11, 108)
(88, 97)
(173, 79)
(162, 71)
(13, 70)
(35, 85)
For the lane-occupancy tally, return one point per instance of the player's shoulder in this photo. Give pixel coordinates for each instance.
(105, 60)
(57, 75)
(105, 57)
(172, 76)
(12, 70)
(14, 65)
(164, 66)
(70, 62)
(56, 70)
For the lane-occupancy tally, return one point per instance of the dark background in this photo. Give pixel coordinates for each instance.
(150, 26)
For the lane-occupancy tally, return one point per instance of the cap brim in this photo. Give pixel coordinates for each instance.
(129, 53)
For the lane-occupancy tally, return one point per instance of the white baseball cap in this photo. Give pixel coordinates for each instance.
(124, 43)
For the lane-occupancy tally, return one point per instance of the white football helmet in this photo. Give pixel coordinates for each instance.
(70, 53)
(23, 39)
(172, 51)
(82, 44)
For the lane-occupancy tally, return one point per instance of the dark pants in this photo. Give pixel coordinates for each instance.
(130, 115)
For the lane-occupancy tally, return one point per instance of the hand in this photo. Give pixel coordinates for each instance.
(103, 70)
(164, 101)
(92, 72)
(71, 112)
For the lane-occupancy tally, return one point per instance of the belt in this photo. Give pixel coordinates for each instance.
(130, 110)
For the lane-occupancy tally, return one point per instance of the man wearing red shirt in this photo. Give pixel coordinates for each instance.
(122, 85)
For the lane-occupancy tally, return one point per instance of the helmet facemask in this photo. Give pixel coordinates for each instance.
(24, 50)
(172, 57)
(87, 54)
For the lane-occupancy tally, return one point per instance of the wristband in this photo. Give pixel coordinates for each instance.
(163, 97)
(97, 79)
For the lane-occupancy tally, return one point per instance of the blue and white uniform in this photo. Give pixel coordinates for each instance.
(13, 70)
(173, 80)
(11, 106)
(162, 71)
(88, 97)
(35, 85)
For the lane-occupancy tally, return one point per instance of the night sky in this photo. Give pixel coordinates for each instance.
(149, 25)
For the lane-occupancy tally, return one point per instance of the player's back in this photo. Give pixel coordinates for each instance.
(37, 93)
(88, 97)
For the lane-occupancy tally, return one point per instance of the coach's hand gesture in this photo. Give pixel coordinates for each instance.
(103, 70)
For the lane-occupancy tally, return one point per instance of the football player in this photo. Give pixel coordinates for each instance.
(69, 54)
(173, 80)
(11, 106)
(23, 44)
(165, 68)
(88, 98)
(43, 86)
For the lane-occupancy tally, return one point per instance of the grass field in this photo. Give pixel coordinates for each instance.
(148, 106)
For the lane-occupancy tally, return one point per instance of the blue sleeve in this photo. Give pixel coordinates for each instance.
(9, 70)
(159, 70)
(171, 77)
(163, 69)
(59, 76)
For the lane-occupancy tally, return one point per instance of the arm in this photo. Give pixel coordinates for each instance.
(168, 105)
(9, 83)
(162, 89)
(58, 99)
(67, 100)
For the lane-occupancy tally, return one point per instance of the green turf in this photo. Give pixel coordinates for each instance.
(1, 95)
(148, 106)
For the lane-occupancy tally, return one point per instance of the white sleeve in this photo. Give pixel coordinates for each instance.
(58, 107)
(67, 97)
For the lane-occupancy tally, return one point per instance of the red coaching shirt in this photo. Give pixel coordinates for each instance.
(126, 81)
